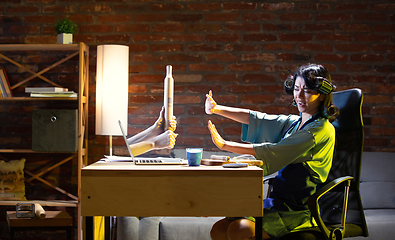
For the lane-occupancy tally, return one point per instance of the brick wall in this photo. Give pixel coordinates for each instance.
(242, 51)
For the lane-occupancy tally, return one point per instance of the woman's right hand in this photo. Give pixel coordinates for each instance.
(217, 139)
(210, 103)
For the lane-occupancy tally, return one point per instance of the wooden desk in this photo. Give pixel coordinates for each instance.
(125, 189)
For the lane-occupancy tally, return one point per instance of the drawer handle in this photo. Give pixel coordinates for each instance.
(53, 118)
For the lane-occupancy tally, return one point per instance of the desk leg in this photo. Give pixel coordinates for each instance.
(89, 229)
(12, 233)
(258, 228)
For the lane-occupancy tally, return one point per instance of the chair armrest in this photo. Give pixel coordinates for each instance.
(269, 180)
(269, 183)
(315, 209)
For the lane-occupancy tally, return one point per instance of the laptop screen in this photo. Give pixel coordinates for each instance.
(126, 141)
(142, 160)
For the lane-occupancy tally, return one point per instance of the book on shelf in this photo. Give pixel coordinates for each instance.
(3, 93)
(68, 94)
(45, 89)
(5, 86)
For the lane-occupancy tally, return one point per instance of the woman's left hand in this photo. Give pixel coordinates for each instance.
(217, 139)
(210, 104)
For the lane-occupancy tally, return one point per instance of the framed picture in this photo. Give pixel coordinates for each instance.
(5, 84)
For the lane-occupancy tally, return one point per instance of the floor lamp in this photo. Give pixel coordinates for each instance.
(112, 83)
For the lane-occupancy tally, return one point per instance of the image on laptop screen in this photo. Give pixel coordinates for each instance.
(146, 160)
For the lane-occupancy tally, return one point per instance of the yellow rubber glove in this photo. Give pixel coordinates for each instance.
(141, 147)
(164, 140)
(217, 139)
(158, 125)
(173, 124)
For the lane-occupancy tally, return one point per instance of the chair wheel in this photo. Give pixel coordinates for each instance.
(336, 234)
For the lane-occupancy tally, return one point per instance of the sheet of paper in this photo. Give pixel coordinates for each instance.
(116, 159)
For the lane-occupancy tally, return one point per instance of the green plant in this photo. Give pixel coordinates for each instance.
(65, 26)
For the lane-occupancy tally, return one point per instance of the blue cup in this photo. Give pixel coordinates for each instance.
(194, 156)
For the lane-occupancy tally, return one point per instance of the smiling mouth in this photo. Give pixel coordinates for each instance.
(302, 106)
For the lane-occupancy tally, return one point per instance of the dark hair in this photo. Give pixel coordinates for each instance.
(316, 77)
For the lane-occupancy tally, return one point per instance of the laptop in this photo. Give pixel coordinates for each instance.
(143, 160)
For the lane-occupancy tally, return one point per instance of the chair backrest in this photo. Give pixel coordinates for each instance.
(347, 159)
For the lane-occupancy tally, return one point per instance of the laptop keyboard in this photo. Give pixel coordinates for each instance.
(158, 160)
(148, 160)
(144, 160)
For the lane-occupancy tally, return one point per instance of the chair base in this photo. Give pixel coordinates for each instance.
(311, 234)
(352, 230)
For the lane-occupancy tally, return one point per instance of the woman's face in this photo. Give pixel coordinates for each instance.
(307, 100)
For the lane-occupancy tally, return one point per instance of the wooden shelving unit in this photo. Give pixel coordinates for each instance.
(82, 50)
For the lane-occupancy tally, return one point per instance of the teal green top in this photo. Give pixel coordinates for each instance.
(277, 146)
(302, 158)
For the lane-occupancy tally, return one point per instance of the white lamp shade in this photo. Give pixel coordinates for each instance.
(112, 82)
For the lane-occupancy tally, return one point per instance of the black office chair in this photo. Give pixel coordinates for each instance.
(329, 204)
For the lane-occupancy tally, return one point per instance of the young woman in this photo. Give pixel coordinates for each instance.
(300, 148)
(154, 137)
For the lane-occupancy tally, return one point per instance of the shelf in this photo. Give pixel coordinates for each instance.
(45, 203)
(39, 47)
(29, 151)
(37, 99)
(16, 151)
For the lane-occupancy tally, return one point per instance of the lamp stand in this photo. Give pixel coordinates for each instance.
(110, 145)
